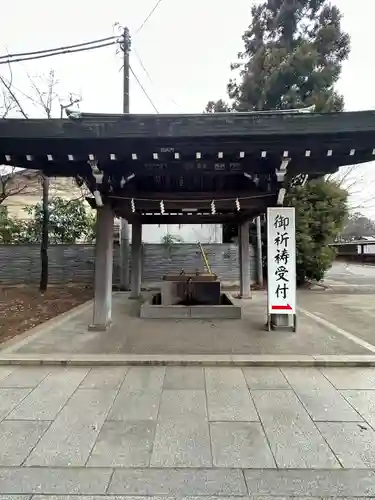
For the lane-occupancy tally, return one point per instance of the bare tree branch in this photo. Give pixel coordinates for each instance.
(9, 87)
(8, 103)
(356, 182)
(45, 99)
(7, 106)
(14, 182)
(43, 96)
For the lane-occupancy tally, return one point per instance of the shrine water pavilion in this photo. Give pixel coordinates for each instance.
(184, 169)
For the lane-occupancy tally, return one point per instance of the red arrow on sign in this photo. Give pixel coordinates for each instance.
(288, 307)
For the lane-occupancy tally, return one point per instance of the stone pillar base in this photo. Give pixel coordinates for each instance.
(99, 328)
(282, 320)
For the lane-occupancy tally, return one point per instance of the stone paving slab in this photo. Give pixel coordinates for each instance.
(123, 444)
(363, 402)
(302, 379)
(294, 439)
(18, 438)
(218, 379)
(184, 404)
(352, 443)
(24, 378)
(139, 378)
(327, 406)
(69, 440)
(50, 396)
(15, 497)
(136, 405)
(178, 482)
(182, 443)
(350, 378)
(265, 378)
(231, 405)
(240, 444)
(104, 378)
(4, 372)
(312, 483)
(228, 397)
(10, 398)
(322, 401)
(180, 378)
(51, 481)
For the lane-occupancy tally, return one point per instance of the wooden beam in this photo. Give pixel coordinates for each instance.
(223, 209)
(226, 208)
(184, 219)
(190, 198)
(228, 204)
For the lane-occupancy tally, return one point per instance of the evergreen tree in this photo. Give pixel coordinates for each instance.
(292, 58)
(69, 222)
(321, 210)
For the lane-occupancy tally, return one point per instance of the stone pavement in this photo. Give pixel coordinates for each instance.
(350, 273)
(354, 313)
(133, 335)
(187, 432)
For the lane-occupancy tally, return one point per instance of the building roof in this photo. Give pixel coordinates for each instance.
(93, 125)
(180, 158)
(354, 242)
(311, 138)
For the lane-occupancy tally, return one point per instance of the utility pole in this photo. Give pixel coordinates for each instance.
(124, 226)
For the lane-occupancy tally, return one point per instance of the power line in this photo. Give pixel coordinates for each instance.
(59, 53)
(148, 17)
(27, 54)
(148, 74)
(143, 66)
(143, 89)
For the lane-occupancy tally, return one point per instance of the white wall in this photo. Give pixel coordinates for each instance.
(190, 233)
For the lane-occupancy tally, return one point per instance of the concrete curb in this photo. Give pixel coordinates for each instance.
(187, 360)
(341, 288)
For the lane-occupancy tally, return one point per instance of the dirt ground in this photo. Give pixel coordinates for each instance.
(22, 307)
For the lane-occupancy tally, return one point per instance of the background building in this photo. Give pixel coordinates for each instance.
(26, 190)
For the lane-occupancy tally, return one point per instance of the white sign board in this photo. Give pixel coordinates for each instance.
(281, 260)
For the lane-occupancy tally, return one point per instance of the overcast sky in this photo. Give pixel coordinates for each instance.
(186, 48)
